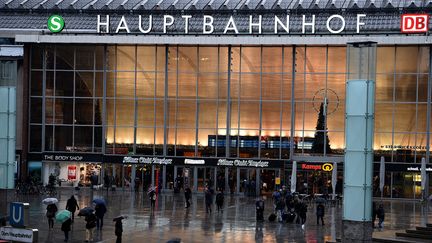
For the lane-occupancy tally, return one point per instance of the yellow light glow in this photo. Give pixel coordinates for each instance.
(417, 178)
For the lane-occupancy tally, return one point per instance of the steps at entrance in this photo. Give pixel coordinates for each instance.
(414, 235)
(419, 234)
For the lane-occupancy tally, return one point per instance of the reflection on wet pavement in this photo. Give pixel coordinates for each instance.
(236, 223)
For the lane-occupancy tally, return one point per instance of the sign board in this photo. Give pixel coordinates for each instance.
(277, 181)
(312, 166)
(147, 160)
(414, 23)
(19, 235)
(19, 214)
(72, 172)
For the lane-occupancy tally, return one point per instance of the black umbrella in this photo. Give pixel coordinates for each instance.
(121, 217)
(86, 211)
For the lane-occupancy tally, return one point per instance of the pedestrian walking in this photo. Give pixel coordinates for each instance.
(107, 182)
(320, 213)
(380, 214)
(303, 211)
(219, 201)
(118, 230)
(208, 199)
(188, 195)
(100, 210)
(50, 214)
(259, 204)
(90, 225)
(72, 206)
(66, 227)
(280, 208)
(152, 196)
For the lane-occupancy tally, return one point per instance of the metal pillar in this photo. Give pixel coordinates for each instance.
(238, 181)
(133, 176)
(257, 181)
(226, 179)
(215, 178)
(164, 177)
(195, 178)
(152, 175)
(359, 131)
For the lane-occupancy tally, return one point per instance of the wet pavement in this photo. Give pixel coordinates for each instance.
(235, 224)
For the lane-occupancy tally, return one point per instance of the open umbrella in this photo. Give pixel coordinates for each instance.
(99, 201)
(50, 200)
(294, 177)
(334, 179)
(121, 217)
(85, 211)
(382, 175)
(62, 216)
(152, 188)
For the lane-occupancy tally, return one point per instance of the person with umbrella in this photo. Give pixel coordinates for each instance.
(118, 228)
(152, 196)
(64, 217)
(90, 225)
(51, 211)
(100, 210)
(72, 206)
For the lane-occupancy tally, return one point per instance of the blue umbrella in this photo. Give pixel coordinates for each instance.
(86, 211)
(99, 201)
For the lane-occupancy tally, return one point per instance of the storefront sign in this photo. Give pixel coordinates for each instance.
(277, 181)
(323, 167)
(243, 163)
(403, 167)
(334, 24)
(194, 161)
(147, 160)
(72, 172)
(19, 235)
(72, 157)
(418, 169)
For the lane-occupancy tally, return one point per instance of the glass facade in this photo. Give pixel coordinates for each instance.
(219, 101)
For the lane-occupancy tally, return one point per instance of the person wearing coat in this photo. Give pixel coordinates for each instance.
(380, 214)
(219, 201)
(118, 230)
(100, 211)
(188, 195)
(66, 227)
(72, 206)
(208, 199)
(320, 213)
(90, 225)
(50, 214)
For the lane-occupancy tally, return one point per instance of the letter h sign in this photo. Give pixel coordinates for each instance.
(19, 214)
(414, 23)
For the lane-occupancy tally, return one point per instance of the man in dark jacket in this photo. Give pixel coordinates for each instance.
(51, 211)
(374, 214)
(66, 227)
(208, 200)
(119, 230)
(100, 211)
(219, 200)
(188, 195)
(320, 213)
(380, 214)
(72, 206)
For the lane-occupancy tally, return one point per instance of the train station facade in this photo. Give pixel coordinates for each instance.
(222, 92)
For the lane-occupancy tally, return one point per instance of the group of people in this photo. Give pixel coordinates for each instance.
(289, 207)
(93, 220)
(208, 194)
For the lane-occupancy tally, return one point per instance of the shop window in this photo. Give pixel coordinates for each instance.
(36, 83)
(208, 59)
(65, 57)
(36, 110)
(37, 56)
(85, 57)
(125, 58)
(271, 59)
(84, 84)
(146, 58)
(125, 84)
(63, 138)
(64, 83)
(83, 141)
(145, 84)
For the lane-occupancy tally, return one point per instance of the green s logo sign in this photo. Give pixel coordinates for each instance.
(56, 23)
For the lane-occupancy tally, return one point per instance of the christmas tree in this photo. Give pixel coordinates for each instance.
(321, 131)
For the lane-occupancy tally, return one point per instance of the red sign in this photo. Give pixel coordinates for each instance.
(310, 167)
(414, 23)
(72, 172)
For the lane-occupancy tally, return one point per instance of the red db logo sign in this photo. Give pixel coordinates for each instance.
(414, 23)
